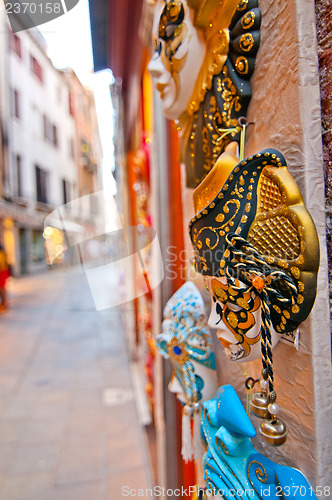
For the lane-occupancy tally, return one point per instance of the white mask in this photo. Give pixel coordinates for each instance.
(179, 54)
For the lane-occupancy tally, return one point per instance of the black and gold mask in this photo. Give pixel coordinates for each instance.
(257, 229)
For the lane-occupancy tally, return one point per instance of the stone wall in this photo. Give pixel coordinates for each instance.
(324, 36)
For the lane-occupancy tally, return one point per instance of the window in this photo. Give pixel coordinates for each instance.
(65, 191)
(15, 43)
(41, 184)
(71, 104)
(18, 166)
(37, 252)
(16, 104)
(55, 135)
(36, 68)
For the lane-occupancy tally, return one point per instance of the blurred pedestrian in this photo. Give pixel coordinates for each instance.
(4, 275)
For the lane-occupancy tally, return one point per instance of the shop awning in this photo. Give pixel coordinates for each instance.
(117, 46)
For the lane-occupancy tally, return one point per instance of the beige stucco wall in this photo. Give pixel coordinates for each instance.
(286, 110)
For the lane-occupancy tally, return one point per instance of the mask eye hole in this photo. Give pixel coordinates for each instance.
(219, 310)
(199, 383)
(171, 31)
(170, 21)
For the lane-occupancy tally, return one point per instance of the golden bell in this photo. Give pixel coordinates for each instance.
(274, 431)
(259, 403)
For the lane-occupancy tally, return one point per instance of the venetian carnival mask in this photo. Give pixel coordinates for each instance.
(256, 245)
(236, 314)
(204, 57)
(178, 54)
(186, 342)
(231, 463)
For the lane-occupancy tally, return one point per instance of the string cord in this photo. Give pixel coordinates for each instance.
(244, 264)
(240, 128)
(189, 378)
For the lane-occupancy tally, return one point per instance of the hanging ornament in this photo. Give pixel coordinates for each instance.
(260, 401)
(187, 450)
(186, 342)
(274, 431)
(262, 285)
(259, 405)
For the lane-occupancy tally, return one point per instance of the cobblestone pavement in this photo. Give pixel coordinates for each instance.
(68, 421)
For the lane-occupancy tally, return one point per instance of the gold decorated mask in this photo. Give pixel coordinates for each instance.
(172, 30)
(178, 53)
(257, 239)
(204, 57)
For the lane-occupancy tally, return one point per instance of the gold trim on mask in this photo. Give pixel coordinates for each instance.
(242, 65)
(241, 321)
(172, 36)
(213, 17)
(284, 233)
(213, 63)
(209, 188)
(178, 358)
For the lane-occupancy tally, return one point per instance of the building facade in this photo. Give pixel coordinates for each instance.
(42, 163)
(86, 144)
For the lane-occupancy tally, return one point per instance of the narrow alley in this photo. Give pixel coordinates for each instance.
(69, 427)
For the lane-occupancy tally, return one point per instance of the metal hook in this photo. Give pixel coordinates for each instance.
(250, 383)
(242, 121)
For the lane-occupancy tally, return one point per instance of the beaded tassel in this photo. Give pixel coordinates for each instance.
(198, 444)
(187, 451)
